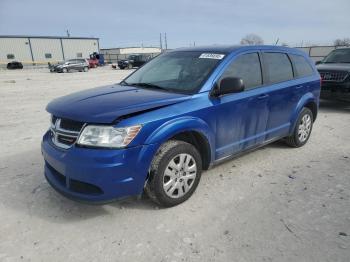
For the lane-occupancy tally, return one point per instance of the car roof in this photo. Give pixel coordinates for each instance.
(226, 49)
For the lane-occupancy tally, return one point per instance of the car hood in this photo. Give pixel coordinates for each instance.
(108, 103)
(334, 66)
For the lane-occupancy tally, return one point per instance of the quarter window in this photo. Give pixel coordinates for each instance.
(278, 67)
(48, 56)
(10, 56)
(247, 67)
(302, 67)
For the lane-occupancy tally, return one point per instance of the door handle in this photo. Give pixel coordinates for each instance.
(263, 96)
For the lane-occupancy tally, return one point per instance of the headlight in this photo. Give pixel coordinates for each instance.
(108, 136)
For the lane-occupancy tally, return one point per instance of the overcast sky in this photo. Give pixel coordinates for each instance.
(136, 22)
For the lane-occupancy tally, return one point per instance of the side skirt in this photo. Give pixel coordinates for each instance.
(246, 151)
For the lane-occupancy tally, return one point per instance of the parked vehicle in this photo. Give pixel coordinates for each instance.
(15, 65)
(183, 112)
(70, 65)
(335, 73)
(96, 60)
(133, 61)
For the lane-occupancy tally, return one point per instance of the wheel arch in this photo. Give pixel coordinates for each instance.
(188, 129)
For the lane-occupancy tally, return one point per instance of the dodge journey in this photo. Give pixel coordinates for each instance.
(182, 112)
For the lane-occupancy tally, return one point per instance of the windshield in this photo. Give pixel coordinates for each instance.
(338, 56)
(181, 71)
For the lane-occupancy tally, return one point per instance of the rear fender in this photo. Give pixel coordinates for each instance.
(305, 99)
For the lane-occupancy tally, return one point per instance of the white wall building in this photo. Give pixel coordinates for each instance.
(44, 49)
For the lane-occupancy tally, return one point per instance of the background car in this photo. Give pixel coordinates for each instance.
(133, 61)
(15, 65)
(335, 73)
(70, 65)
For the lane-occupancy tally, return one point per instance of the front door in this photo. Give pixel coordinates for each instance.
(241, 118)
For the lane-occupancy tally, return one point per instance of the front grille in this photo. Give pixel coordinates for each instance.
(65, 132)
(334, 76)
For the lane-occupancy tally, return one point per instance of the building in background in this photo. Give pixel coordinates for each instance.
(44, 49)
(112, 55)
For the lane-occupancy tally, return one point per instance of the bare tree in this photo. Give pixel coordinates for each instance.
(342, 42)
(252, 39)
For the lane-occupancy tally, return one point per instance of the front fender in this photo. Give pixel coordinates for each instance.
(179, 125)
(305, 99)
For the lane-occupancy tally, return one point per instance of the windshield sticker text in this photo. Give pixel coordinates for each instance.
(212, 56)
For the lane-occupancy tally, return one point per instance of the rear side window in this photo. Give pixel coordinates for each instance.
(247, 67)
(302, 67)
(278, 67)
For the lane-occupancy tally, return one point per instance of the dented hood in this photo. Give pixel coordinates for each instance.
(108, 103)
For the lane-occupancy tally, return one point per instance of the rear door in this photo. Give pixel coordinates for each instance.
(284, 93)
(241, 118)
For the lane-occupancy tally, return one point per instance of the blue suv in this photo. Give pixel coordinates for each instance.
(182, 112)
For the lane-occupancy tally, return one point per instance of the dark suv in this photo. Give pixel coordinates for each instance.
(335, 73)
(133, 61)
(70, 65)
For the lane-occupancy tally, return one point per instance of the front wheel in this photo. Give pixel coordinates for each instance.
(302, 130)
(174, 174)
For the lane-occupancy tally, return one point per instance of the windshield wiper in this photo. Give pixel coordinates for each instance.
(150, 85)
(123, 83)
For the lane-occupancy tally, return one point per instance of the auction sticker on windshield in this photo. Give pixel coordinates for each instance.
(212, 56)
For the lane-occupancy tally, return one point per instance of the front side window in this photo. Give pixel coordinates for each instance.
(10, 56)
(302, 67)
(248, 68)
(177, 71)
(278, 67)
(338, 56)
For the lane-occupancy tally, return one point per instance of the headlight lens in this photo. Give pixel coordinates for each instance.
(108, 136)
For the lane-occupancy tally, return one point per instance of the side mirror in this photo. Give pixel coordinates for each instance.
(229, 85)
(318, 62)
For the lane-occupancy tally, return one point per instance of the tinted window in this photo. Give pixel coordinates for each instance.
(246, 67)
(302, 67)
(278, 67)
(338, 56)
(10, 56)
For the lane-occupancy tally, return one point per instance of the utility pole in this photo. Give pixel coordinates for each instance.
(160, 42)
(68, 34)
(166, 42)
(194, 43)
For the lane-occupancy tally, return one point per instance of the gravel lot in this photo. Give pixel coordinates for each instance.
(274, 204)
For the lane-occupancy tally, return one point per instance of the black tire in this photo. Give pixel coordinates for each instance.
(168, 151)
(294, 140)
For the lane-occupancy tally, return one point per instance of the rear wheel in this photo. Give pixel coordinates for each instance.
(302, 130)
(174, 174)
